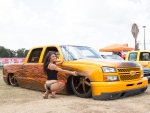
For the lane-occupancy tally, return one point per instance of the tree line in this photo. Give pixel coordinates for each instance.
(8, 53)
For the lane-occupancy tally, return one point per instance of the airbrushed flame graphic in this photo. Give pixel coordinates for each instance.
(31, 73)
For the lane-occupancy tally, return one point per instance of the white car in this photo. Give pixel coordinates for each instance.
(116, 57)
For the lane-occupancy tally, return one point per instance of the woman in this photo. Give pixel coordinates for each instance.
(51, 70)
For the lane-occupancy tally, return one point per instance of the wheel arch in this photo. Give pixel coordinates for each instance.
(69, 88)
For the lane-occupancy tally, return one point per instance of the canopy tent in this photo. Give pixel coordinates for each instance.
(116, 48)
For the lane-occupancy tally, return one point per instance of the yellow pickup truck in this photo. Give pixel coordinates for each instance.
(100, 78)
(142, 57)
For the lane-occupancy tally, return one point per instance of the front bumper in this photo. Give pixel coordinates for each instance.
(118, 89)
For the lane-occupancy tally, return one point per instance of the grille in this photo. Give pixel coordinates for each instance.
(128, 69)
(126, 74)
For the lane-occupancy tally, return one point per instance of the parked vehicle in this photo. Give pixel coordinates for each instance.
(1, 66)
(142, 57)
(121, 54)
(116, 57)
(146, 72)
(100, 78)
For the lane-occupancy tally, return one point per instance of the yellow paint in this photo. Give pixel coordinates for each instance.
(109, 87)
(143, 63)
(90, 68)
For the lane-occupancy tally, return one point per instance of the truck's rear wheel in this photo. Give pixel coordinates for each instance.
(12, 80)
(81, 86)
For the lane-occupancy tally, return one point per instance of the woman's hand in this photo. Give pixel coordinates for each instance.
(74, 73)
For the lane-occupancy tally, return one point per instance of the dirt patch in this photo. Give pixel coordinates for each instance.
(20, 100)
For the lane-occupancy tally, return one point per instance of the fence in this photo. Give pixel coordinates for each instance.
(10, 61)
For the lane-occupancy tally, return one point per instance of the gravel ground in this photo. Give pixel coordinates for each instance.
(20, 100)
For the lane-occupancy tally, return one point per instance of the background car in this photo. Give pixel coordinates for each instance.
(121, 54)
(147, 73)
(116, 57)
(1, 66)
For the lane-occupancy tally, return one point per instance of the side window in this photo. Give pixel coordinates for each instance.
(35, 55)
(132, 56)
(144, 56)
(54, 49)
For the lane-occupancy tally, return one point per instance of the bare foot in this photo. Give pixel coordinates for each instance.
(45, 96)
(53, 95)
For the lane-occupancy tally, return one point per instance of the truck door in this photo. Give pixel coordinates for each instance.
(33, 71)
(61, 76)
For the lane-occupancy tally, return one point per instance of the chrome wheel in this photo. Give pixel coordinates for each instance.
(81, 86)
(12, 80)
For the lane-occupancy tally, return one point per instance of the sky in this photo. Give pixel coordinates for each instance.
(94, 23)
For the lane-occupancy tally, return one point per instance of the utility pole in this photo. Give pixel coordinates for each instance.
(144, 38)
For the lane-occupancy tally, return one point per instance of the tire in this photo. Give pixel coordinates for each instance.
(81, 86)
(12, 80)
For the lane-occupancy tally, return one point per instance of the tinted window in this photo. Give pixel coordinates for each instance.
(144, 56)
(54, 49)
(132, 56)
(35, 55)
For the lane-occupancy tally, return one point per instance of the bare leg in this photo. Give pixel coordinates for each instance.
(54, 92)
(45, 96)
(56, 88)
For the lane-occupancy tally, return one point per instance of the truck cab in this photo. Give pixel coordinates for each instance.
(142, 57)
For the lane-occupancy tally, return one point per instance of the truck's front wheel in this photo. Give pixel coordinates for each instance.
(81, 86)
(12, 80)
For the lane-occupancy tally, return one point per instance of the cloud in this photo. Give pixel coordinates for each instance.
(80, 22)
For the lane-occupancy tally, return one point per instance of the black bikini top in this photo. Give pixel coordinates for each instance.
(51, 74)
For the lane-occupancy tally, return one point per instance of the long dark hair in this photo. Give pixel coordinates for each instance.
(47, 60)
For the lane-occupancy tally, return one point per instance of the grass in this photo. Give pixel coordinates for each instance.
(16, 95)
(17, 99)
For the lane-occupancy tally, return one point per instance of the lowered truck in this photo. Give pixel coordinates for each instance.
(103, 79)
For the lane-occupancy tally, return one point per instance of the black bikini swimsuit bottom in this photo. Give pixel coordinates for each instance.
(48, 86)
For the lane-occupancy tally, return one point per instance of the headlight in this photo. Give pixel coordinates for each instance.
(110, 78)
(109, 70)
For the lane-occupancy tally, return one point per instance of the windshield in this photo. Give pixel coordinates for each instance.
(79, 52)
